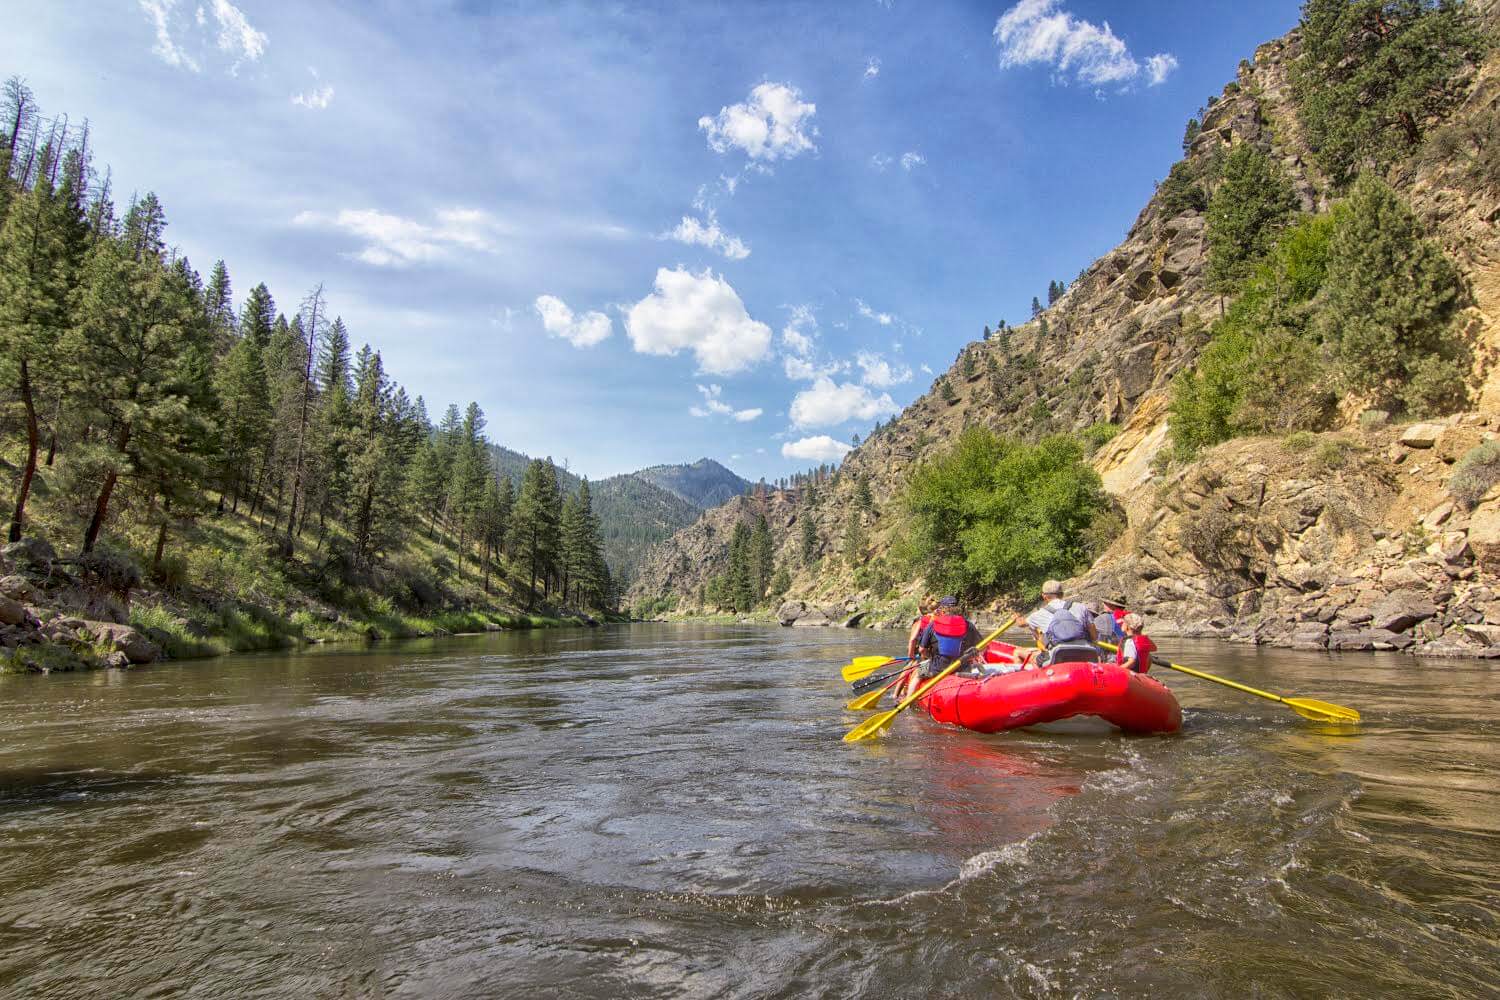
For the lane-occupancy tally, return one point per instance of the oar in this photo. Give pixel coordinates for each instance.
(863, 666)
(1308, 708)
(870, 699)
(876, 723)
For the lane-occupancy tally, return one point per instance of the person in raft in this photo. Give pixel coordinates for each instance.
(1107, 617)
(1064, 631)
(919, 625)
(947, 637)
(1135, 652)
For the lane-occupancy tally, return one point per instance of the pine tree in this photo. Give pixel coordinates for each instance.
(534, 527)
(1372, 72)
(762, 558)
(314, 321)
(864, 499)
(856, 542)
(258, 318)
(142, 351)
(741, 574)
(37, 277)
(218, 307)
(809, 540)
(1190, 134)
(470, 469)
(1389, 302)
(1036, 307)
(1252, 203)
(244, 414)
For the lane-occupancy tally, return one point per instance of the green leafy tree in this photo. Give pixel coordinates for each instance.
(1373, 73)
(1252, 203)
(994, 514)
(1190, 134)
(856, 541)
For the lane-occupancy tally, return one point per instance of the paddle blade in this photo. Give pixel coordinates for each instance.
(871, 726)
(863, 666)
(1323, 711)
(866, 701)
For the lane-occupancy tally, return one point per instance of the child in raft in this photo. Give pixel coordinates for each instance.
(1135, 652)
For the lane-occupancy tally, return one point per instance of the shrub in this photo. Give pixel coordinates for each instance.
(1476, 473)
(1096, 436)
(1374, 419)
(1300, 441)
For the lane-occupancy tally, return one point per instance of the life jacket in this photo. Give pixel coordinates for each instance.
(1144, 647)
(1064, 627)
(948, 631)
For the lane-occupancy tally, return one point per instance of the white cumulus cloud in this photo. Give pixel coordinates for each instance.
(713, 403)
(700, 313)
(829, 403)
(581, 331)
(396, 241)
(316, 99)
(695, 232)
(1037, 32)
(911, 160)
(821, 448)
(773, 123)
(876, 371)
(801, 331)
(872, 67)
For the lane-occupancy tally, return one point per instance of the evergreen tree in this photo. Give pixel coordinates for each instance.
(741, 574)
(762, 558)
(141, 350)
(244, 415)
(1036, 307)
(1389, 302)
(809, 540)
(258, 318)
(534, 527)
(1371, 73)
(856, 542)
(470, 470)
(1190, 134)
(37, 277)
(864, 499)
(218, 307)
(1252, 203)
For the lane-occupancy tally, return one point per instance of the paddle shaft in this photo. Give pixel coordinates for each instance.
(871, 683)
(1208, 677)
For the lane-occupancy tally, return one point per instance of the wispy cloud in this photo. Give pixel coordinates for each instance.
(236, 36)
(696, 232)
(581, 331)
(1037, 32)
(713, 404)
(883, 318)
(396, 241)
(912, 160)
(316, 99)
(773, 123)
(872, 67)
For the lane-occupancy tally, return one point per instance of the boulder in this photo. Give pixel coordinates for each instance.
(136, 647)
(813, 618)
(1422, 435)
(34, 553)
(117, 661)
(11, 612)
(17, 588)
(1487, 635)
(1400, 611)
(1484, 536)
(790, 612)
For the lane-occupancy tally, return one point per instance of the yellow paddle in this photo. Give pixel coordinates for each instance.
(870, 699)
(875, 724)
(863, 666)
(1308, 708)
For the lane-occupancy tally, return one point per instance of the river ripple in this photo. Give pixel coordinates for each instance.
(668, 811)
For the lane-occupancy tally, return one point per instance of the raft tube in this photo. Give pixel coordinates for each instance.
(1135, 703)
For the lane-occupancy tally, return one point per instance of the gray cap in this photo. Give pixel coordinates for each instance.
(1052, 588)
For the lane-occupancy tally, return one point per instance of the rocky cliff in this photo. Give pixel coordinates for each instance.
(1253, 540)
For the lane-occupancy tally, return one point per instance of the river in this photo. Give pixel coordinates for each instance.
(665, 811)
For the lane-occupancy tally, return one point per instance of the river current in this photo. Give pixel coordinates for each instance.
(665, 811)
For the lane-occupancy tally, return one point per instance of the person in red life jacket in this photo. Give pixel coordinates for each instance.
(924, 609)
(1135, 652)
(947, 637)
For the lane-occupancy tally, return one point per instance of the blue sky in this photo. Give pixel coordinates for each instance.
(643, 233)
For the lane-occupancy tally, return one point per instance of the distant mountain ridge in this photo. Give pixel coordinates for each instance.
(705, 483)
(638, 510)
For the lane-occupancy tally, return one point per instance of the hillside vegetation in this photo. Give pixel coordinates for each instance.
(246, 468)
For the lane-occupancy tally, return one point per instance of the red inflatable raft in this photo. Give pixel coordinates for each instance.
(1135, 703)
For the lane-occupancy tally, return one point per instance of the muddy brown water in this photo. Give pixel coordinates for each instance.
(664, 811)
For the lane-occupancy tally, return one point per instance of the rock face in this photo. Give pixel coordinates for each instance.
(1252, 541)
